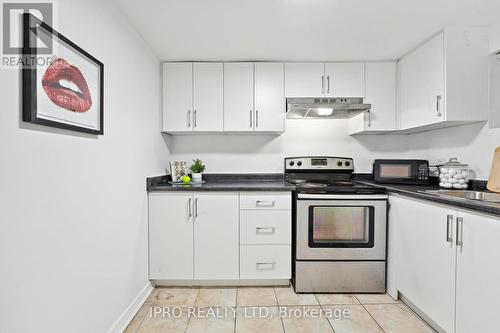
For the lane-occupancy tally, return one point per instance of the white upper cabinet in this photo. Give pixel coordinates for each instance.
(325, 80)
(422, 84)
(177, 96)
(208, 92)
(192, 97)
(238, 96)
(304, 79)
(269, 97)
(345, 80)
(444, 81)
(254, 97)
(380, 78)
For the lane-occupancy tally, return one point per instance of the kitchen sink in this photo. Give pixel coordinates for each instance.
(470, 195)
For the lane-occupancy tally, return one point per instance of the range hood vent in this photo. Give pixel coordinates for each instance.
(330, 108)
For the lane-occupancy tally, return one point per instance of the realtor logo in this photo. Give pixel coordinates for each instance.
(12, 30)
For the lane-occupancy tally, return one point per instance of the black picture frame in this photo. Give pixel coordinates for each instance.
(31, 26)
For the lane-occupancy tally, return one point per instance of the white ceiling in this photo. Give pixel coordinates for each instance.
(295, 30)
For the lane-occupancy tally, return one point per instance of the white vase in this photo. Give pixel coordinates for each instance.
(196, 177)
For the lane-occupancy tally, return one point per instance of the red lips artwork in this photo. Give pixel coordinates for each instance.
(66, 87)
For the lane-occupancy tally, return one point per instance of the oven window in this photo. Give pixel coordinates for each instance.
(341, 226)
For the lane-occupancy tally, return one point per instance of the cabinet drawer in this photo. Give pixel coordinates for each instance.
(266, 200)
(265, 227)
(265, 261)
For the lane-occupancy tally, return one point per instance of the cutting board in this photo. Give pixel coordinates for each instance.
(494, 179)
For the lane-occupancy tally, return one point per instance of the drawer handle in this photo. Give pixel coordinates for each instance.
(265, 230)
(261, 203)
(265, 265)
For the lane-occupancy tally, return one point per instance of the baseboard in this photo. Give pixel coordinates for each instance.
(126, 317)
(221, 283)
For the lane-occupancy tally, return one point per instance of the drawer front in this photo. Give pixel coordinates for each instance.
(265, 261)
(266, 200)
(265, 227)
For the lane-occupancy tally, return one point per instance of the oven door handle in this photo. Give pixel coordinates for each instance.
(342, 196)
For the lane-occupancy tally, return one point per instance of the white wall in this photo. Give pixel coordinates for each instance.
(471, 144)
(73, 216)
(303, 137)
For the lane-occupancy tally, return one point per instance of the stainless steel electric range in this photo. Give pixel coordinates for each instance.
(339, 230)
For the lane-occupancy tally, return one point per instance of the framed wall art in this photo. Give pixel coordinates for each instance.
(66, 91)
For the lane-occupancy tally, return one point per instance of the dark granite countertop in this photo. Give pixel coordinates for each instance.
(225, 182)
(414, 191)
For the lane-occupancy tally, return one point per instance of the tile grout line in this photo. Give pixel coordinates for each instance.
(323, 310)
(236, 301)
(194, 303)
(364, 307)
(278, 305)
(369, 313)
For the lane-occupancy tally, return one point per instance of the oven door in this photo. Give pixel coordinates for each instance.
(341, 229)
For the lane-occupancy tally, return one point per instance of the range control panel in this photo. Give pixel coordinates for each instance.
(319, 163)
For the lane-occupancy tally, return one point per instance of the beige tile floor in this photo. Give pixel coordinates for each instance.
(271, 310)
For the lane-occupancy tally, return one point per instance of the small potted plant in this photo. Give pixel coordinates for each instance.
(197, 169)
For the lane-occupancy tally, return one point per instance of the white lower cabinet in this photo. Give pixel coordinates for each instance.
(170, 236)
(478, 274)
(216, 238)
(425, 271)
(202, 236)
(265, 262)
(443, 261)
(265, 227)
(265, 236)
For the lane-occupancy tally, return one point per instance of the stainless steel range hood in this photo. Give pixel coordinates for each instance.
(333, 108)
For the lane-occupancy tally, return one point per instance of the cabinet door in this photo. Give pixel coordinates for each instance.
(269, 97)
(171, 236)
(216, 236)
(478, 274)
(345, 79)
(425, 260)
(381, 94)
(238, 96)
(380, 82)
(304, 80)
(421, 77)
(177, 96)
(208, 95)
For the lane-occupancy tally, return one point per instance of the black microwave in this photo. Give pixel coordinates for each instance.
(412, 172)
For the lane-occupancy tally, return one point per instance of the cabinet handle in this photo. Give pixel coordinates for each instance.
(438, 105)
(449, 224)
(322, 84)
(369, 118)
(256, 118)
(251, 119)
(196, 208)
(460, 226)
(189, 118)
(194, 118)
(265, 230)
(190, 212)
(328, 84)
(261, 203)
(265, 265)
